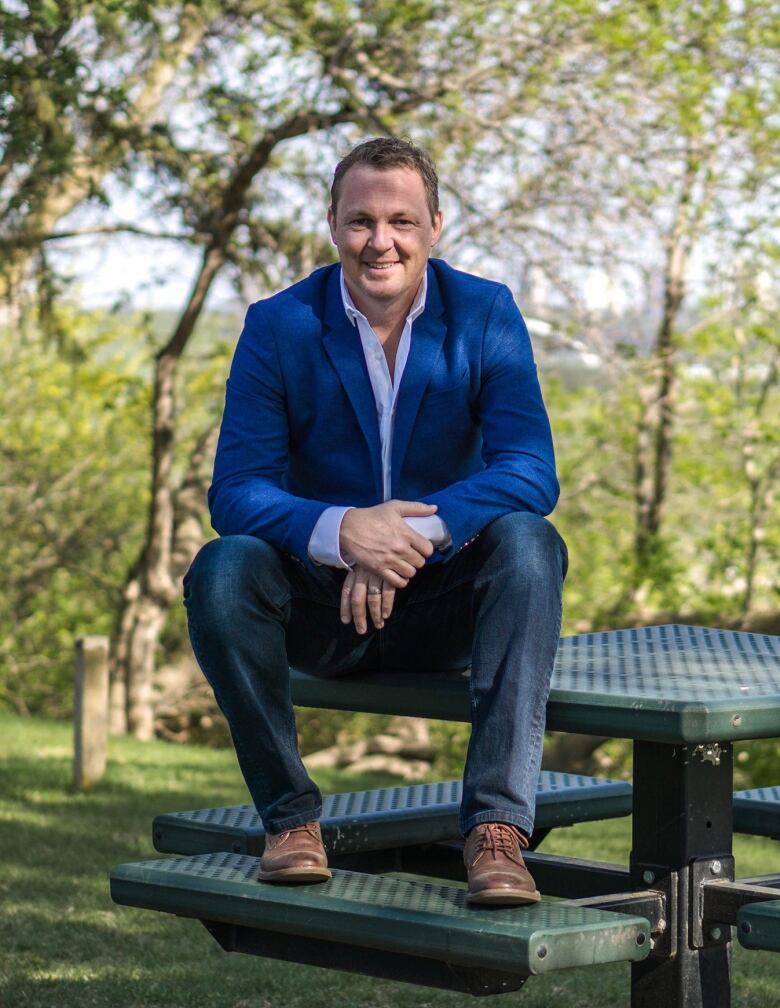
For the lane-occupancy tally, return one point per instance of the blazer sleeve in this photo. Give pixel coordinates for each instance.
(517, 448)
(246, 496)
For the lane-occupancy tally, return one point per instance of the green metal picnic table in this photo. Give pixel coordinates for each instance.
(684, 695)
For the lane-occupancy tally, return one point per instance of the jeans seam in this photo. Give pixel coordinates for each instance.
(498, 815)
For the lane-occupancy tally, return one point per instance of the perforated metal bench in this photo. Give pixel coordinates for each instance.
(402, 929)
(414, 931)
(684, 694)
(390, 817)
(757, 812)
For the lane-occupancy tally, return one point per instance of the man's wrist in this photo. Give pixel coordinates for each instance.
(344, 555)
(324, 543)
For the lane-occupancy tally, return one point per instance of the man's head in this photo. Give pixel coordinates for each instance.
(389, 152)
(384, 219)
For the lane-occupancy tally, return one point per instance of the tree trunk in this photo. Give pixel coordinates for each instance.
(146, 622)
(151, 588)
(142, 616)
(658, 395)
(568, 753)
(760, 488)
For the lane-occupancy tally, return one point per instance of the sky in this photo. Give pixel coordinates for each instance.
(128, 268)
(153, 274)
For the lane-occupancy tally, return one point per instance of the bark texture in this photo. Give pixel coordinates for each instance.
(658, 394)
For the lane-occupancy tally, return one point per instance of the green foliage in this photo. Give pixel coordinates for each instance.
(72, 477)
(756, 764)
(74, 484)
(718, 556)
(58, 63)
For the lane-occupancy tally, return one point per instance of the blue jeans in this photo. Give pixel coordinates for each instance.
(496, 604)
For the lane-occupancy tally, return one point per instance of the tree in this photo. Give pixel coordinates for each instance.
(68, 120)
(704, 152)
(736, 399)
(672, 144)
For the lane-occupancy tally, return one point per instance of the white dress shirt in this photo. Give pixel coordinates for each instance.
(324, 541)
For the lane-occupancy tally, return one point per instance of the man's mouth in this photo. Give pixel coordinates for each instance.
(378, 266)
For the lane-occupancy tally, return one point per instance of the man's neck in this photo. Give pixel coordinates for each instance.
(384, 316)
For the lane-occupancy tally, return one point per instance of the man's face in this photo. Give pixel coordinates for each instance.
(384, 233)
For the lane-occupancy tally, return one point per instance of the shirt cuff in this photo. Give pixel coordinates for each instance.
(433, 528)
(324, 540)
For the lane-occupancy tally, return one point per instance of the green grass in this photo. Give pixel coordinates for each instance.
(64, 944)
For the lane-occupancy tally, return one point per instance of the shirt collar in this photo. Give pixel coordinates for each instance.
(353, 313)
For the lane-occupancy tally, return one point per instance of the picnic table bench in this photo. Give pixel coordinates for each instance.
(682, 693)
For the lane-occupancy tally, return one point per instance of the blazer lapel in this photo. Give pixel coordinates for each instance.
(342, 344)
(428, 332)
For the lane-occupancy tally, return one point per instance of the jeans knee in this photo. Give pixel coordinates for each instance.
(225, 569)
(529, 543)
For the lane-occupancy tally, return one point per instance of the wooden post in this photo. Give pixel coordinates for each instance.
(90, 712)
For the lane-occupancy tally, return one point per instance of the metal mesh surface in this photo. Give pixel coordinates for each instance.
(411, 799)
(670, 662)
(372, 891)
(668, 683)
(770, 795)
(757, 811)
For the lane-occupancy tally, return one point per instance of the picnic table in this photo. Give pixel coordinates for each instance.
(683, 694)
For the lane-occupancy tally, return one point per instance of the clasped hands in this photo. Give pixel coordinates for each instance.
(387, 554)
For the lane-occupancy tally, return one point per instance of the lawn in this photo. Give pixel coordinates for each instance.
(64, 944)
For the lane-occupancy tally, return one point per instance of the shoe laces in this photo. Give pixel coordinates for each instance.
(309, 827)
(499, 838)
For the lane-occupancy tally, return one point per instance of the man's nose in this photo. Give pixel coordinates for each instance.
(381, 237)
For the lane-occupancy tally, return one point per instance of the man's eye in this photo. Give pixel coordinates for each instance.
(403, 222)
(360, 222)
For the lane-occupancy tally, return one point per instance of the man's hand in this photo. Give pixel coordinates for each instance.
(379, 539)
(360, 586)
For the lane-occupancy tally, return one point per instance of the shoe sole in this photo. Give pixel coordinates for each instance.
(312, 874)
(504, 897)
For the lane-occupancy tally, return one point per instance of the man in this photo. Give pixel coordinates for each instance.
(383, 417)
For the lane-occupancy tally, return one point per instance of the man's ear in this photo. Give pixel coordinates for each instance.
(438, 225)
(332, 224)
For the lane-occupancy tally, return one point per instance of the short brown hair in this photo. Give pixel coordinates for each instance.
(389, 152)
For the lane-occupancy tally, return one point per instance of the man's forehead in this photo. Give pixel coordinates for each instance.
(364, 182)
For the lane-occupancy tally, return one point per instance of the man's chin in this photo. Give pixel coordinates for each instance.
(380, 289)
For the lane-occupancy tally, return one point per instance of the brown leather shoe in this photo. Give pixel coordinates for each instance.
(494, 864)
(296, 855)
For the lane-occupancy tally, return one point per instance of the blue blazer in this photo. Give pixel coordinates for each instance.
(300, 429)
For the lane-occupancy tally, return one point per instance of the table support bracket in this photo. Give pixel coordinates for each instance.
(681, 841)
(704, 929)
(649, 903)
(722, 899)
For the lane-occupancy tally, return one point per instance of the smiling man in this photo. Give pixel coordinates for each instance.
(383, 471)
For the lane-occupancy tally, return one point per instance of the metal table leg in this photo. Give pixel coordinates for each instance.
(682, 829)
